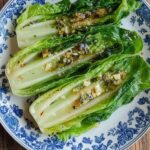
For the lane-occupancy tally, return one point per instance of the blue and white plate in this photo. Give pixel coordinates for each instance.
(122, 129)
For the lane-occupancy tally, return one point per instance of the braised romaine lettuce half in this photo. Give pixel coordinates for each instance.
(77, 106)
(41, 12)
(61, 19)
(39, 68)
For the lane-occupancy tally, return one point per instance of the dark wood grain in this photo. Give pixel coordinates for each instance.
(7, 143)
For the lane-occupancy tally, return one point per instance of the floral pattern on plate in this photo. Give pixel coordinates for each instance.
(14, 110)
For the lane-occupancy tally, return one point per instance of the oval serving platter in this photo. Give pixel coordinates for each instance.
(121, 130)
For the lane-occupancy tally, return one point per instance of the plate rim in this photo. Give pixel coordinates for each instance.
(21, 143)
(146, 3)
(6, 128)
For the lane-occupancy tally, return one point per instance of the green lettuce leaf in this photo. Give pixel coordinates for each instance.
(34, 73)
(40, 21)
(43, 10)
(59, 103)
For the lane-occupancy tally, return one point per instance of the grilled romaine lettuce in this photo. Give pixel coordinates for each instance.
(40, 67)
(77, 106)
(40, 21)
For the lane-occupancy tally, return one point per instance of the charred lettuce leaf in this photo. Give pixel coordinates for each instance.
(91, 98)
(61, 19)
(39, 68)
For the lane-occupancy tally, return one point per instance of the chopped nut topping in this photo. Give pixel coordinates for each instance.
(88, 14)
(87, 83)
(47, 66)
(117, 82)
(89, 91)
(68, 54)
(117, 76)
(68, 25)
(45, 53)
(75, 54)
(66, 29)
(76, 104)
(22, 65)
(79, 16)
(98, 90)
(101, 12)
(76, 90)
(65, 60)
(113, 79)
(94, 93)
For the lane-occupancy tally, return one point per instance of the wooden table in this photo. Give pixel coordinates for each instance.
(7, 143)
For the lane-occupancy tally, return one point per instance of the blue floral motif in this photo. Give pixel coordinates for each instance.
(143, 31)
(133, 20)
(147, 91)
(148, 60)
(143, 13)
(2, 91)
(140, 21)
(114, 146)
(11, 122)
(125, 133)
(32, 137)
(144, 100)
(86, 140)
(3, 47)
(14, 10)
(147, 39)
(29, 124)
(6, 34)
(99, 139)
(116, 138)
(99, 147)
(53, 143)
(20, 2)
(18, 112)
(109, 143)
(77, 147)
(3, 110)
(40, 1)
(4, 81)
